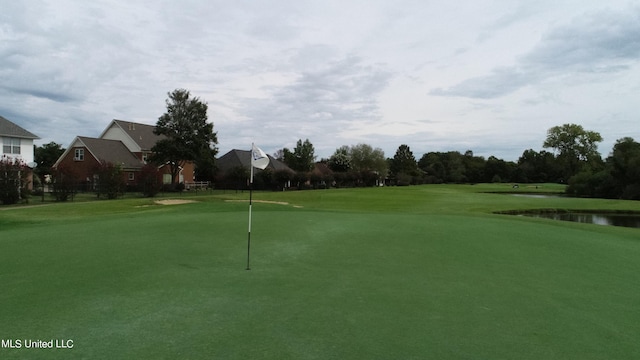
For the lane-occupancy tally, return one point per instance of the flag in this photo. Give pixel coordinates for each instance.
(259, 159)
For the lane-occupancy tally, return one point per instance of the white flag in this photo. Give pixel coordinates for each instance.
(258, 158)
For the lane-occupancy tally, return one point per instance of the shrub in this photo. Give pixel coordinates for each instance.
(13, 180)
(64, 182)
(149, 181)
(110, 180)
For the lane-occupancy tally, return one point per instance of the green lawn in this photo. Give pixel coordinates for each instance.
(424, 272)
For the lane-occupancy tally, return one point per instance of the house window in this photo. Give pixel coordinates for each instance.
(166, 179)
(79, 155)
(131, 176)
(10, 145)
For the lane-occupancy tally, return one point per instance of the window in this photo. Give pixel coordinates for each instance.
(166, 178)
(10, 145)
(79, 155)
(131, 176)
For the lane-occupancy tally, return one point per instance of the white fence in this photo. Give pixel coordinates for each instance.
(196, 185)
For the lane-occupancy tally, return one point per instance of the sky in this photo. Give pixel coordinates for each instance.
(487, 76)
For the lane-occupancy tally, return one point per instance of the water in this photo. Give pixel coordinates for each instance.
(537, 196)
(625, 220)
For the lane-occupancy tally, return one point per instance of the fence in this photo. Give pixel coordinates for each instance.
(196, 185)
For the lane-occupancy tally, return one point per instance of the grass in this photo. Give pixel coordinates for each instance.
(412, 273)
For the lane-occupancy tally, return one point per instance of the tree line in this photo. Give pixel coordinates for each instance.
(571, 157)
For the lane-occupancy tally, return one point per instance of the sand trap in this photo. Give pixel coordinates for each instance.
(173, 202)
(261, 201)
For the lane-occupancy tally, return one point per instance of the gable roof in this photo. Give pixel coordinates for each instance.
(113, 151)
(243, 158)
(8, 128)
(141, 134)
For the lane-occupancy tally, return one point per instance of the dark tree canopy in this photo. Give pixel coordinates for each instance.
(188, 135)
(403, 162)
(624, 167)
(301, 158)
(45, 156)
(575, 146)
(340, 160)
(365, 158)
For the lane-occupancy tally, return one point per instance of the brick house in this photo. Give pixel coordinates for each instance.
(122, 143)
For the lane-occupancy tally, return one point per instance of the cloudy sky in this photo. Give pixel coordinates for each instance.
(487, 76)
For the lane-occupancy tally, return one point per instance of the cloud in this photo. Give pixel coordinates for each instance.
(338, 73)
(319, 102)
(604, 42)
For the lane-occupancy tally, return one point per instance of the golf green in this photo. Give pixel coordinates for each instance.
(398, 273)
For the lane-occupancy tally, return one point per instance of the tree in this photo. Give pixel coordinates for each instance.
(340, 160)
(188, 135)
(498, 170)
(13, 180)
(110, 180)
(64, 182)
(446, 167)
(474, 167)
(148, 182)
(302, 158)
(45, 156)
(403, 162)
(624, 167)
(576, 146)
(205, 165)
(365, 160)
(619, 179)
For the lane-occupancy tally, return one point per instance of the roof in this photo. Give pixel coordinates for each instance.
(113, 151)
(243, 158)
(141, 134)
(8, 128)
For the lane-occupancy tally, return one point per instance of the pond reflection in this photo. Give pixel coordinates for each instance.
(625, 220)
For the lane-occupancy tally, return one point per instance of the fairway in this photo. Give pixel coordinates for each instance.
(424, 272)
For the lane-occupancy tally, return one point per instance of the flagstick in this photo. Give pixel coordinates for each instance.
(249, 233)
(250, 206)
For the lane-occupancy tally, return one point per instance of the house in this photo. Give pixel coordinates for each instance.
(17, 143)
(122, 143)
(85, 154)
(234, 168)
(138, 138)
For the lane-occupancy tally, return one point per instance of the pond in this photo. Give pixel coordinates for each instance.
(611, 219)
(537, 196)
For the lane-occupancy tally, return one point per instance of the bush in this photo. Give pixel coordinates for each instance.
(148, 181)
(13, 181)
(110, 180)
(64, 183)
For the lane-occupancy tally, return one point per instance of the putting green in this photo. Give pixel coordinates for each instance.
(435, 276)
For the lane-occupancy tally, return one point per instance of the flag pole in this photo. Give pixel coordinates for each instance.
(259, 160)
(250, 206)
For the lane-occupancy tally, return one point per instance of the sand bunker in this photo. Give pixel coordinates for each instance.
(173, 202)
(261, 201)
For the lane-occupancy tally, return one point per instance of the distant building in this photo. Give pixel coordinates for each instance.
(17, 143)
(122, 143)
(234, 168)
